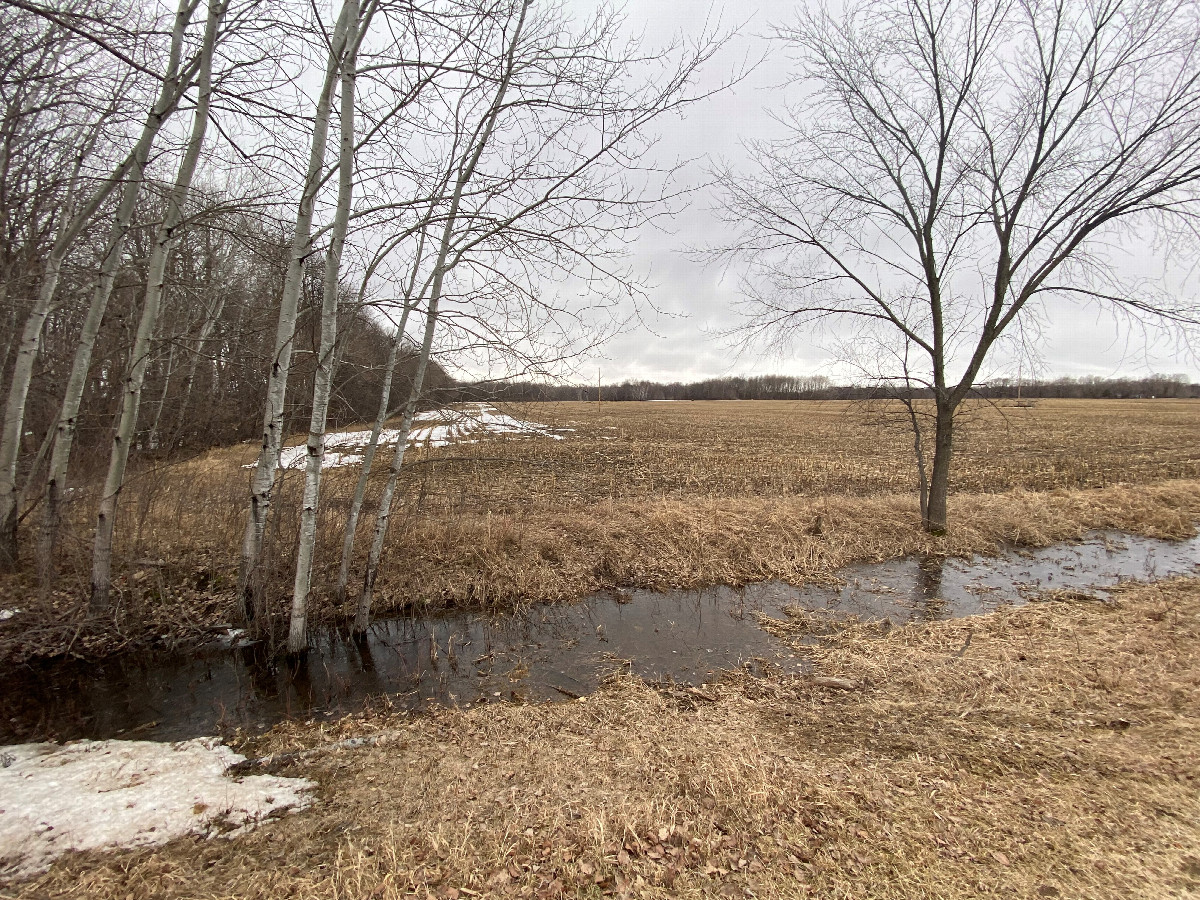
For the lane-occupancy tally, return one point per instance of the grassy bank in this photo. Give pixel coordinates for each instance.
(1045, 751)
(649, 494)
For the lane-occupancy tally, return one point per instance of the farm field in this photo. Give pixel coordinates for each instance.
(639, 494)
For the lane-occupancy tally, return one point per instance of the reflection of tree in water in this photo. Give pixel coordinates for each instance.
(930, 603)
(259, 663)
(299, 681)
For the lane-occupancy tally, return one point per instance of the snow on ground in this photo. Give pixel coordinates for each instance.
(8, 614)
(462, 425)
(110, 794)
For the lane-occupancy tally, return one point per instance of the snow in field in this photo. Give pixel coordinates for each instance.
(8, 613)
(110, 794)
(464, 425)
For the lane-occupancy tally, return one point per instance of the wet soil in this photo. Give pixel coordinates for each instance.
(535, 654)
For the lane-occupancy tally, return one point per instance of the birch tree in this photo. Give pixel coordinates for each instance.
(563, 135)
(384, 412)
(80, 205)
(955, 165)
(322, 383)
(249, 573)
(177, 76)
(474, 151)
(163, 244)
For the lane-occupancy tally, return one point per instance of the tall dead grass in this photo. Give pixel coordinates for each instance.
(1054, 754)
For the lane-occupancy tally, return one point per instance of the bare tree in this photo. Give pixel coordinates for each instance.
(957, 163)
(79, 202)
(249, 574)
(323, 381)
(139, 357)
(384, 412)
(562, 132)
(177, 76)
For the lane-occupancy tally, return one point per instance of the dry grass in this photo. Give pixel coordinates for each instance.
(649, 494)
(1056, 755)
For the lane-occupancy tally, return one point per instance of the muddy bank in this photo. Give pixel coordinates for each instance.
(546, 652)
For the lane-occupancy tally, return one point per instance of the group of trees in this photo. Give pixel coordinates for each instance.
(819, 387)
(233, 210)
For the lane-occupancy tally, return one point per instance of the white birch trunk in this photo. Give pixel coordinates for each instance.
(249, 573)
(362, 616)
(139, 359)
(60, 454)
(73, 221)
(323, 378)
(381, 417)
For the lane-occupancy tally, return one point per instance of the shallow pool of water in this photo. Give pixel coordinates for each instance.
(543, 653)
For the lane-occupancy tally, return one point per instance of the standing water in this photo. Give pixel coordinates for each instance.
(544, 652)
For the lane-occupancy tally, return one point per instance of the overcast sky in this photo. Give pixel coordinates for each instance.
(697, 304)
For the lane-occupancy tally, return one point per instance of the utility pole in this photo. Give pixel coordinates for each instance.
(597, 389)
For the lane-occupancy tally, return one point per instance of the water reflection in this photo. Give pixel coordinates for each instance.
(542, 653)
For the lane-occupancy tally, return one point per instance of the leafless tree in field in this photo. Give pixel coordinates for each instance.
(954, 164)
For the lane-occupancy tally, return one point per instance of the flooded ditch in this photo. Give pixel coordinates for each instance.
(543, 653)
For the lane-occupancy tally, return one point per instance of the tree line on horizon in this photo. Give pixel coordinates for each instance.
(819, 387)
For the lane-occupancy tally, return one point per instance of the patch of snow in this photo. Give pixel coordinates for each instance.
(464, 425)
(6, 614)
(232, 639)
(95, 795)
(294, 457)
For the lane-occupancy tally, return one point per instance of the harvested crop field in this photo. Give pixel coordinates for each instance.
(1043, 751)
(638, 494)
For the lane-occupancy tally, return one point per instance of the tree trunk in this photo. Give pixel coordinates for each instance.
(939, 478)
(206, 330)
(155, 439)
(323, 377)
(249, 572)
(385, 398)
(139, 359)
(172, 88)
(74, 219)
(14, 414)
(360, 488)
(363, 615)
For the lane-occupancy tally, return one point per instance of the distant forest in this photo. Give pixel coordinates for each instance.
(818, 387)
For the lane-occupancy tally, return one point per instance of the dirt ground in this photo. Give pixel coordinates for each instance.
(1051, 750)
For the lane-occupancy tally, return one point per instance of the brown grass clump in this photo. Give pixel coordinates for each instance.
(637, 494)
(1054, 754)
